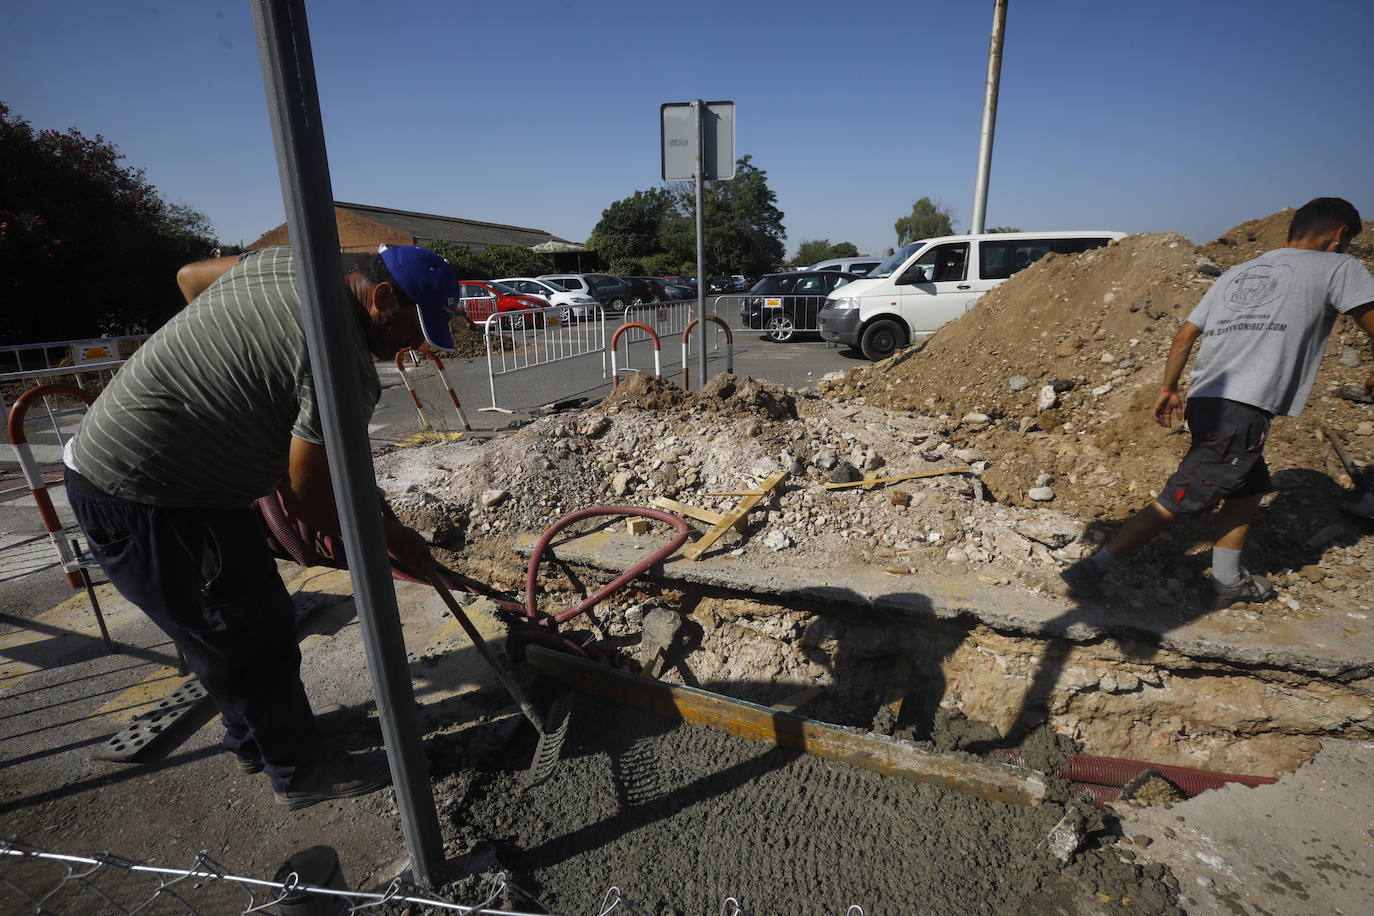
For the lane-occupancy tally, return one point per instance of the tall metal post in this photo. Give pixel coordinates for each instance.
(699, 107)
(293, 100)
(980, 189)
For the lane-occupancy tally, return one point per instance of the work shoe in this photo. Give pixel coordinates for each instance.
(1083, 579)
(1250, 588)
(327, 718)
(327, 779)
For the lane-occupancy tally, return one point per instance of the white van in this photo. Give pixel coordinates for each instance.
(860, 265)
(926, 283)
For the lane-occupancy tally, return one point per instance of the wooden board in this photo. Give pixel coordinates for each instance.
(989, 781)
(732, 518)
(871, 482)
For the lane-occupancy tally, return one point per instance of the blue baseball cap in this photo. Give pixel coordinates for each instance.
(430, 283)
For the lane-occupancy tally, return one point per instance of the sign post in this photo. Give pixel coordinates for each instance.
(698, 140)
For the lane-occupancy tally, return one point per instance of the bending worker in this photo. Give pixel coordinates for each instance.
(1264, 325)
(212, 412)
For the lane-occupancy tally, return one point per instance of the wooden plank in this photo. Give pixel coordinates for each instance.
(701, 515)
(990, 781)
(734, 517)
(870, 482)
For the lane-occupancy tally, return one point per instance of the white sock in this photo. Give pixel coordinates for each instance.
(1225, 565)
(1103, 559)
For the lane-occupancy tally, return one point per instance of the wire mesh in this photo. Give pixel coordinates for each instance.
(35, 880)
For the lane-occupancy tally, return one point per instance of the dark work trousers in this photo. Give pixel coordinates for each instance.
(205, 577)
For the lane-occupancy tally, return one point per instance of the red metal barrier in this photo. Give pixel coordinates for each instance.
(729, 346)
(420, 353)
(615, 338)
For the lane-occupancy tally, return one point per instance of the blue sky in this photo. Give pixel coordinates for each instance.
(1142, 117)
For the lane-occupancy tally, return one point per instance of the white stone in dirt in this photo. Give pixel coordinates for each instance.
(1067, 835)
(790, 463)
(1365, 429)
(494, 497)
(1043, 480)
(976, 419)
(1350, 358)
(1041, 494)
(1101, 390)
(620, 483)
(1107, 359)
(1019, 382)
(777, 540)
(1048, 397)
(956, 555)
(826, 459)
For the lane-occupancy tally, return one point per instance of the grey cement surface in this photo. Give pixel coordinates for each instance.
(679, 818)
(1342, 649)
(1304, 845)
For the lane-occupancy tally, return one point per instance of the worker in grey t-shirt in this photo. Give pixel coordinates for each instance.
(1263, 326)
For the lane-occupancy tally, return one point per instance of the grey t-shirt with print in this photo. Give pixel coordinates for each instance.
(1265, 324)
(203, 413)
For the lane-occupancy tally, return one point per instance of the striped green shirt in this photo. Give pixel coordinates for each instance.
(203, 413)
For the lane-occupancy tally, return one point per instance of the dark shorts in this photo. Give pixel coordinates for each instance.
(1225, 460)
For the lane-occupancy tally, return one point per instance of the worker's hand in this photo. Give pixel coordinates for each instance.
(407, 546)
(1166, 406)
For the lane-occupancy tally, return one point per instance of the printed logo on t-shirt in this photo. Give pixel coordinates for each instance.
(1258, 286)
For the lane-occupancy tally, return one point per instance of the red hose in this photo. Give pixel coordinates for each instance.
(537, 556)
(1101, 778)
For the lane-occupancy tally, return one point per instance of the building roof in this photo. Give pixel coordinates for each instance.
(429, 226)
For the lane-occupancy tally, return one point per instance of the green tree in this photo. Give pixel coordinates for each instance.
(665, 265)
(817, 250)
(927, 220)
(636, 226)
(87, 246)
(514, 261)
(627, 267)
(465, 264)
(743, 224)
(1004, 229)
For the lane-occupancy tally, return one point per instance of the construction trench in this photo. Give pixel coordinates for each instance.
(919, 610)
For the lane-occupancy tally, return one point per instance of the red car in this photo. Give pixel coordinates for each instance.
(482, 298)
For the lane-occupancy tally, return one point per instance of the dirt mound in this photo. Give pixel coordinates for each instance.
(469, 341)
(725, 394)
(1059, 366)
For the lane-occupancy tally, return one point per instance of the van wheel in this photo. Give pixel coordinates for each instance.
(881, 339)
(780, 328)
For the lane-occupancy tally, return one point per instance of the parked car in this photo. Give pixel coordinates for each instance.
(719, 284)
(782, 305)
(641, 290)
(668, 292)
(575, 305)
(931, 281)
(860, 265)
(480, 299)
(609, 291)
(740, 283)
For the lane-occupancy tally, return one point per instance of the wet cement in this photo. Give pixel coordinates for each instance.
(680, 818)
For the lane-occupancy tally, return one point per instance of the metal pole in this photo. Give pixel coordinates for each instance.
(292, 98)
(699, 107)
(980, 189)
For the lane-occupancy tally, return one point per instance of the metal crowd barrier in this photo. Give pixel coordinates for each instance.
(530, 338)
(40, 360)
(777, 317)
(668, 320)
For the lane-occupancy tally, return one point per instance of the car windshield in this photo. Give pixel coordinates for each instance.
(562, 284)
(895, 260)
(503, 288)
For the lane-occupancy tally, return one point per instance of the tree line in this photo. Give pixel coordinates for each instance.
(87, 245)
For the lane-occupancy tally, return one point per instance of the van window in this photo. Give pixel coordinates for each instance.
(943, 262)
(1078, 246)
(895, 260)
(862, 267)
(998, 260)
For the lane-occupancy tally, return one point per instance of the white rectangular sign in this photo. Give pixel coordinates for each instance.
(679, 134)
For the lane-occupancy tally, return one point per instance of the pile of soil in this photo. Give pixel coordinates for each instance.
(680, 818)
(724, 394)
(468, 340)
(1096, 329)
